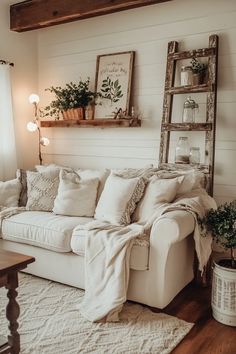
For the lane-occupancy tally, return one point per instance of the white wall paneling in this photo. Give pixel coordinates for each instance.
(68, 52)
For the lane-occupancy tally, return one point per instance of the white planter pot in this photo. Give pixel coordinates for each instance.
(223, 298)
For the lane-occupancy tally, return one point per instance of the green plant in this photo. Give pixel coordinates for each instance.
(198, 67)
(111, 90)
(71, 96)
(221, 223)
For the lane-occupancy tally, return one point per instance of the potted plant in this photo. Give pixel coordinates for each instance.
(221, 223)
(70, 101)
(199, 71)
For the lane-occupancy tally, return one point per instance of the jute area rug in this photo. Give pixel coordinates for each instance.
(50, 323)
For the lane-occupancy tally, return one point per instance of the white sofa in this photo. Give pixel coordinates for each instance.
(160, 267)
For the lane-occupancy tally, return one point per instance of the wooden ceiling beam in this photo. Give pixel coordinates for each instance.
(34, 14)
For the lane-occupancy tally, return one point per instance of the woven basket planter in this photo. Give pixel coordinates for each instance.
(74, 114)
(223, 299)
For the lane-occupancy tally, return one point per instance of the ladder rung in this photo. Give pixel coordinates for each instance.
(177, 166)
(189, 89)
(186, 127)
(196, 53)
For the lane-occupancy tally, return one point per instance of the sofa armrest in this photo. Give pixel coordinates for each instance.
(172, 227)
(171, 256)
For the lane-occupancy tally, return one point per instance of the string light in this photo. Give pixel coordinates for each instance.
(34, 125)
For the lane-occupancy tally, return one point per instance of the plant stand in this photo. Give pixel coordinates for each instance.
(223, 299)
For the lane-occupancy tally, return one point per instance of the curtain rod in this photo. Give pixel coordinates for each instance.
(6, 62)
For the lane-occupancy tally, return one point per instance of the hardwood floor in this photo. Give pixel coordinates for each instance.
(207, 336)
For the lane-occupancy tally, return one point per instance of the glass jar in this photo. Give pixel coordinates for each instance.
(186, 76)
(182, 151)
(189, 110)
(194, 155)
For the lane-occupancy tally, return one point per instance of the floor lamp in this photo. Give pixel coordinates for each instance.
(34, 125)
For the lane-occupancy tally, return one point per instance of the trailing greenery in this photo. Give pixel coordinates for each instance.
(71, 96)
(198, 67)
(221, 223)
(111, 90)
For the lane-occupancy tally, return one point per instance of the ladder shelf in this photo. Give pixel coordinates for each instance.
(210, 88)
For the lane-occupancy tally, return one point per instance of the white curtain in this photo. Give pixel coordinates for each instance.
(8, 161)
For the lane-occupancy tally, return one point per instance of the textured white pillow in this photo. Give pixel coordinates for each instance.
(100, 174)
(42, 190)
(76, 196)
(10, 193)
(157, 191)
(119, 198)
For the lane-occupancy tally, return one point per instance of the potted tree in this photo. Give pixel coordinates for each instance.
(70, 101)
(221, 223)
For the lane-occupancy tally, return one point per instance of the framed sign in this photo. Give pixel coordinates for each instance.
(113, 81)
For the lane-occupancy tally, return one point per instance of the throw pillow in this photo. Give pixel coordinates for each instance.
(42, 190)
(100, 174)
(22, 176)
(10, 193)
(157, 191)
(76, 196)
(119, 198)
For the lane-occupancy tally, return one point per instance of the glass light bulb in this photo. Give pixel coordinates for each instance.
(33, 98)
(44, 141)
(32, 127)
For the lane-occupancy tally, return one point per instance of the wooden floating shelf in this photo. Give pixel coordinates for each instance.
(83, 123)
(186, 127)
(189, 89)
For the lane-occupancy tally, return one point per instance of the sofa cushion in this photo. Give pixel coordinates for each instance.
(139, 256)
(42, 229)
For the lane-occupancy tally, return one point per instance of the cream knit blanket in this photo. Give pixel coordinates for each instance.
(107, 256)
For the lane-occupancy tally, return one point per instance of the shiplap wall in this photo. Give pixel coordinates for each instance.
(68, 52)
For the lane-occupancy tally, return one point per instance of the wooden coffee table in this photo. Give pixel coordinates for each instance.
(10, 264)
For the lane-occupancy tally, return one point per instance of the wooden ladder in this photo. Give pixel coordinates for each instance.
(210, 88)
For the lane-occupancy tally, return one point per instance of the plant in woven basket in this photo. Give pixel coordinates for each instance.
(198, 67)
(199, 71)
(70, 96)
(221, 223)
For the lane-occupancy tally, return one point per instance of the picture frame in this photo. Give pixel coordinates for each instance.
(113, 80)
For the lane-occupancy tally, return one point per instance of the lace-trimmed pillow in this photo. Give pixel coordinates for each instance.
(42, 190)
(119, 198)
